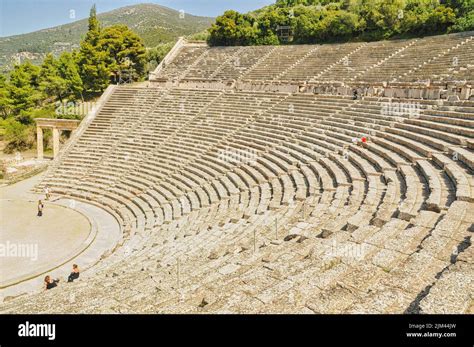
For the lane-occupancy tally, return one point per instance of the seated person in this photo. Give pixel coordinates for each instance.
(50, 283)
(74, 275)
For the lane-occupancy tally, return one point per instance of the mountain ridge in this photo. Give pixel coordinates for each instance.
(154, 23)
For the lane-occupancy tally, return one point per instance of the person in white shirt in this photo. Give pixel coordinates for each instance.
(47, 192)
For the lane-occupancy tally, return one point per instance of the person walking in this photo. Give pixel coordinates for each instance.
(47, 192)
(40, 208)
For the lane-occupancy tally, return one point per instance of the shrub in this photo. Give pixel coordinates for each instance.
(17, 135)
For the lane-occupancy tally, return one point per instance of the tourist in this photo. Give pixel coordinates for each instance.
(47, 192)
(74, 275)
(50, 283)
(40, 208)
(354, 94)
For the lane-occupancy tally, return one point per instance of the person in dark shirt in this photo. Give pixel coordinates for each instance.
(50, 283)
(74, 275)
(355, 94)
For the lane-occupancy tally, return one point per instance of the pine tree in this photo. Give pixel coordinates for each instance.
(92, 59)
(23, 87)
(68, 70)
(94, 25)
(5, 101)
(50, 83)
(126, 54)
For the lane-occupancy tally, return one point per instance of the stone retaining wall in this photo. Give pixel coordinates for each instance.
(449, 92)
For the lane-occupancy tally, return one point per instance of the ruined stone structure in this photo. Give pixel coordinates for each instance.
(56, 125)
(255, 179)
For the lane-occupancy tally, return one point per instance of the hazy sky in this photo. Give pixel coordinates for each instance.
(23, 16)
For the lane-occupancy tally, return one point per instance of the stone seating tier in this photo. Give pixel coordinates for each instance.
(270, 201)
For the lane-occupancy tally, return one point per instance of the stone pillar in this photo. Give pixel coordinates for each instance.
(39, 142)
(55, 142)
(465, 93)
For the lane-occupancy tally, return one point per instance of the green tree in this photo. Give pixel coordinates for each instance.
(305, 24)
(233, 29)
(17, 135)
(267, 24)
(460, 7)
(439, 20)
(465, 23)
(426, 17)
(68, 70)
(5, 101)
(338, 24)
(23, 87)
(92, 59)
(60, 77)
(384, 17)
(125, 52)
(314, 21)
(49, 80)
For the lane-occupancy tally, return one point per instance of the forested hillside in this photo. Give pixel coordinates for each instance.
(154, 23)
(314, 21)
